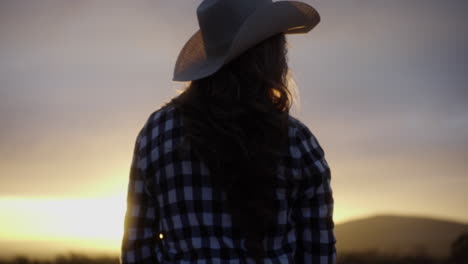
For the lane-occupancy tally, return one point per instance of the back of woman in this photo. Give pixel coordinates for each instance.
(223, 174)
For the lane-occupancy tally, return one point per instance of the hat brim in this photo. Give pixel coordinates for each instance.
(288, 17)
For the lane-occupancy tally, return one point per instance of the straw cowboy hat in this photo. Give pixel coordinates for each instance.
(230, 27)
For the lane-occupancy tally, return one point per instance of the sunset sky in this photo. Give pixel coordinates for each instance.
(382, 84)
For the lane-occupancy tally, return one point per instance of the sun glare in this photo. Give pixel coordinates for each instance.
(89, 223)
(94, 219)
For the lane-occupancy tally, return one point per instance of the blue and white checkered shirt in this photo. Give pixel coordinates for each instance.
(174, 215)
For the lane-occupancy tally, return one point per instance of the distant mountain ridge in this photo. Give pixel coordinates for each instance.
(384, 233)
(395, 234)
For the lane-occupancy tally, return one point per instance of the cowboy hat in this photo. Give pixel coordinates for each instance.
(229, 27)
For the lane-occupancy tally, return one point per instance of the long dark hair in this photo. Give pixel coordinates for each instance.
(236, 122)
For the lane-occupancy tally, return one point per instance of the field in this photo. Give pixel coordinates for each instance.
(349, 258)
(383, 239)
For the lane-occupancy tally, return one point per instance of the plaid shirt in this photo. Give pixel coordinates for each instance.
(173, 215)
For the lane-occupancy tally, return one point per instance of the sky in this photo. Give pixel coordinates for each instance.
(382, 85)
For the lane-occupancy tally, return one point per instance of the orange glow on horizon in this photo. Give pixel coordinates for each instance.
(88, 219)
(70, 218)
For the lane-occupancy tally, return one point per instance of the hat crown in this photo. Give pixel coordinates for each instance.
(219, 20)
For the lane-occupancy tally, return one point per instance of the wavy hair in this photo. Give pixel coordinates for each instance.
(236, 123)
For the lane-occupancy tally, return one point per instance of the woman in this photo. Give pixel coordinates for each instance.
(222, 173)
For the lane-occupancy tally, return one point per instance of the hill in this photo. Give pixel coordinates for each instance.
(393, 234)
(398, 235)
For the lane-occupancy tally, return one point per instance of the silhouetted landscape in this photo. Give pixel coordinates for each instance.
(383, 239)
(370, 257)
(399, 235)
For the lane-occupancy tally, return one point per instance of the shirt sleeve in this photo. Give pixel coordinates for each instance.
(313, 208)
(140, 225)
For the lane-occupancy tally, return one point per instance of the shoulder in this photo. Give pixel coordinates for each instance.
(162, 116)
(307, 146)
(300, 131)
(158, 122)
